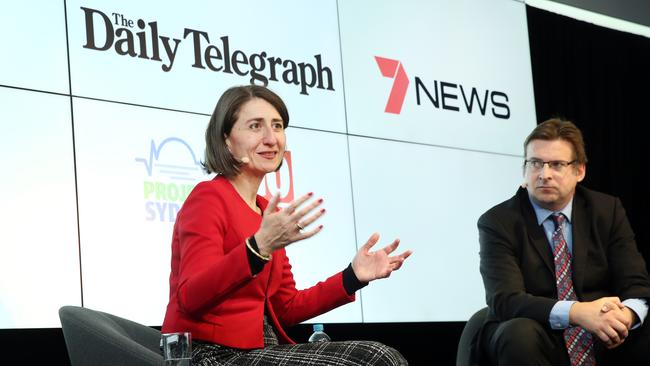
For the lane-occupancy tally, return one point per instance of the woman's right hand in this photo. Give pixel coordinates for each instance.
(282, 227)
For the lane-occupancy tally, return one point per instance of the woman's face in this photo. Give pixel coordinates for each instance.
(257, 138)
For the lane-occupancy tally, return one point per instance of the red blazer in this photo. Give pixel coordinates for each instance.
(213, 293)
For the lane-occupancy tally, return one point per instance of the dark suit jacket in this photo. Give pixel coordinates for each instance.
(517, 263)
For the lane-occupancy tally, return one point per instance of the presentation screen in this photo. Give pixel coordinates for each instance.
(407, 117)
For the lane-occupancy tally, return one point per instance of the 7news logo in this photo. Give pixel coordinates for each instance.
(445, 95)
(393, 69)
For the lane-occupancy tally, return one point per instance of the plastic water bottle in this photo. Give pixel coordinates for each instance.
(319, 335)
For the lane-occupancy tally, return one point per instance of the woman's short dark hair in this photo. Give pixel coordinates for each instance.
(217, 157)
(560, 129)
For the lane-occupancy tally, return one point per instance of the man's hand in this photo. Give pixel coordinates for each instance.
(607, 318)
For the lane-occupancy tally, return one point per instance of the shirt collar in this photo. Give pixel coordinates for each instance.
(543, 214)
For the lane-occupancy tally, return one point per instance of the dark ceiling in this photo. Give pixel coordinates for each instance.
(635, 11)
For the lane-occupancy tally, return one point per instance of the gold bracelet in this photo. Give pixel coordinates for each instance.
(260, 256)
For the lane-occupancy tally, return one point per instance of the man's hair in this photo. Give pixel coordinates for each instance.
(559, 129)
(217, 157)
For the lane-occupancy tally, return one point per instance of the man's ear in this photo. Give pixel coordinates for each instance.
(581, 172)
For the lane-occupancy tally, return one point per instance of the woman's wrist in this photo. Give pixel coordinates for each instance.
(261, 245)
(251, 243)
(350, 281)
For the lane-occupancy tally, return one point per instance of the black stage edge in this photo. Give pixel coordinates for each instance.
(44, 346)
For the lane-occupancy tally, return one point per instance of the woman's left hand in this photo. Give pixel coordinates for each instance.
(368, 266)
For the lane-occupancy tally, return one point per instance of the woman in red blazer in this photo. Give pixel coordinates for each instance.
(231, 284)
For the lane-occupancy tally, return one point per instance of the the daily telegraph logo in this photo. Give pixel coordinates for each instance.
(116, 32)
(172, 172)
(441, 94)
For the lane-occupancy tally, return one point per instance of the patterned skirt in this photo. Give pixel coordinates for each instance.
(347, 353)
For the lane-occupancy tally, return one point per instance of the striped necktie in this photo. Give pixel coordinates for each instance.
(579, 342)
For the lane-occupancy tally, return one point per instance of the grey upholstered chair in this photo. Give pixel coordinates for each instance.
(97, 338)
(466, 355)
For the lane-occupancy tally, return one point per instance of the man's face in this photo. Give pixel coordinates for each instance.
(552, 186)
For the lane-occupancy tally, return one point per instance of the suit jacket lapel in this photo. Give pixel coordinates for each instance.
(536, 232)
(580, 229)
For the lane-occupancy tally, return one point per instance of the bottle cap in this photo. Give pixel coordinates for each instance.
(318, 327)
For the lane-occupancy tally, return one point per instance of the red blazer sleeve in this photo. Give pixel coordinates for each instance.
(293, 306)
(207, 272)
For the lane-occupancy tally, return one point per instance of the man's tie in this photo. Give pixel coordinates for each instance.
(579, 342)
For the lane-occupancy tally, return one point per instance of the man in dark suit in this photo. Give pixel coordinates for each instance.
(564, 281)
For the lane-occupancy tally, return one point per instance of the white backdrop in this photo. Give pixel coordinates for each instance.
(100, 148)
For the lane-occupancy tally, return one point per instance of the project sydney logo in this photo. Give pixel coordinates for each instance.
(173, 170)
(444, 94)
(137, 38)
(170, 178)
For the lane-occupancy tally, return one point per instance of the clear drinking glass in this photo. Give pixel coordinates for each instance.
(177, 348)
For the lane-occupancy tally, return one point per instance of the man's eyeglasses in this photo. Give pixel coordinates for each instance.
(559, 166)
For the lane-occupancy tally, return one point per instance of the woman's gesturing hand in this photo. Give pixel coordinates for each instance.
(282, 227)
(368, 266)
